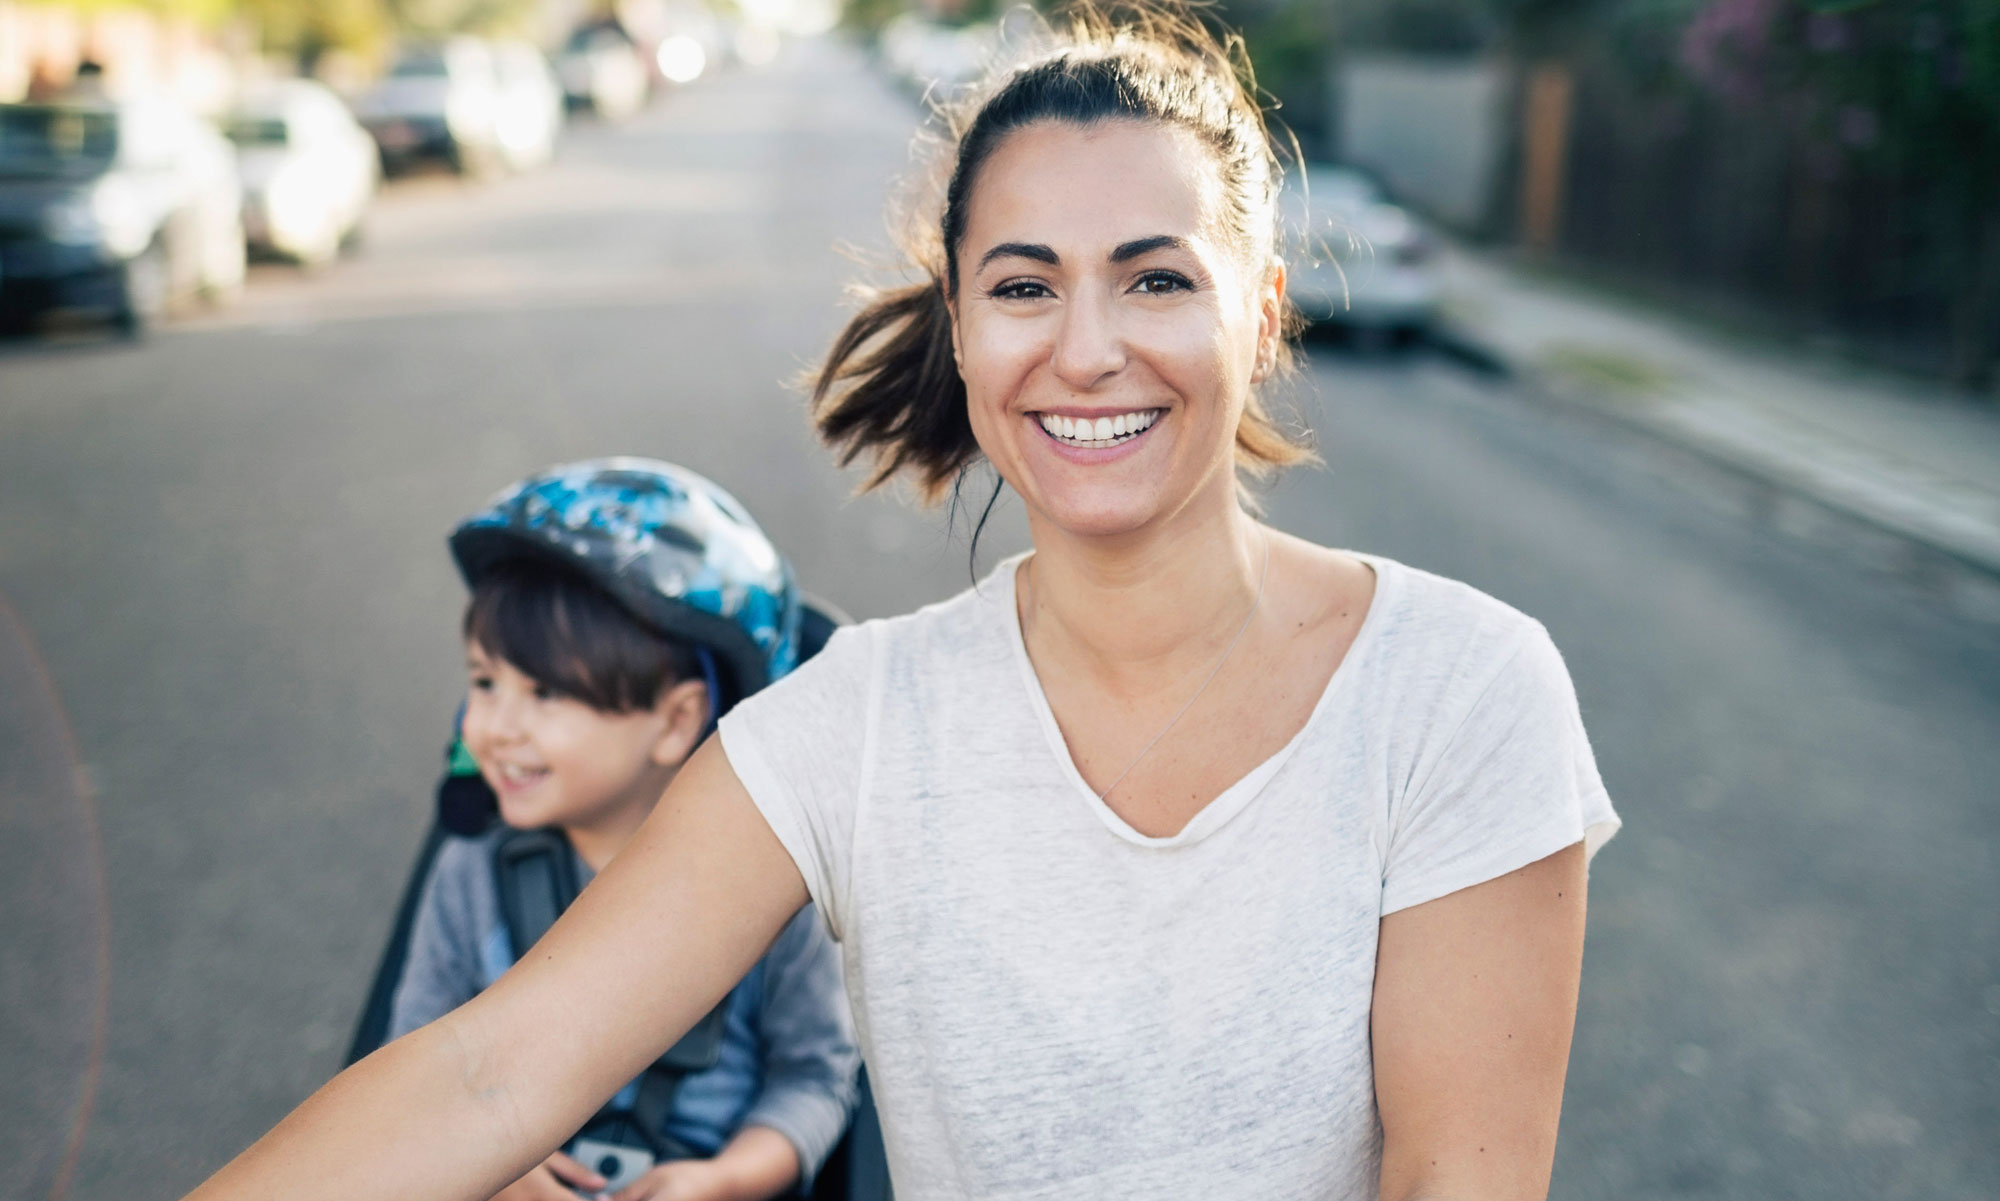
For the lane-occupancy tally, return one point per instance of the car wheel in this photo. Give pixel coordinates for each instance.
(475, 162)
(147, 285)
(321, 250)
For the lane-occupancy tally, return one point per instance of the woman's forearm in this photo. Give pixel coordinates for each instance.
(428, 1116)
(466, 1105)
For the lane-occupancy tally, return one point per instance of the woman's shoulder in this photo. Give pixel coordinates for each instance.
(900, 653)
(1425, 626)
(1429, 600)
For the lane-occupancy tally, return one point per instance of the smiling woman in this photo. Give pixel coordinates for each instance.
(886, 388)
(1180, 857)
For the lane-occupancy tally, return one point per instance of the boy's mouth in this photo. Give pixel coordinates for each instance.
(514, 776)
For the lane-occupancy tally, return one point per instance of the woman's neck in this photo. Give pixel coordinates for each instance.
(1144, 607)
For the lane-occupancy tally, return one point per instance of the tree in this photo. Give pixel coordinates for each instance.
(1904, 88)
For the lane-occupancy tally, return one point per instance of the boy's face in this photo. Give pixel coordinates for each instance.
(554, 761)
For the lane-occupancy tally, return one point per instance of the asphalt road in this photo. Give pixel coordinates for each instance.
(227, 664)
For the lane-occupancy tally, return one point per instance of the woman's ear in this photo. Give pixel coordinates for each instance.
(683, 710)
(1270, 321)
(951, 322)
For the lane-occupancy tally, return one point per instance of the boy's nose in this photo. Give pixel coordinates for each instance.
(497, 721)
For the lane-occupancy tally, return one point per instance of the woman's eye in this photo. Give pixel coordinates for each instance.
(1019, 289)
(1159, 283)
(482, 683)
(545, 693)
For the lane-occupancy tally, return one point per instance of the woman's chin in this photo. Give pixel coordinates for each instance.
(1098, 511)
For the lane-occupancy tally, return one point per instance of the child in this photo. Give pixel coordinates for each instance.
(618, 606)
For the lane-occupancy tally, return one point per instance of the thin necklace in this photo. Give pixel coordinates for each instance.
(1263, 574)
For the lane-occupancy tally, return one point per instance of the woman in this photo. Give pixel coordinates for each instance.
(1180, 858)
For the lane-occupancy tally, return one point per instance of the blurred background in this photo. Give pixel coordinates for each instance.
(1671, 322)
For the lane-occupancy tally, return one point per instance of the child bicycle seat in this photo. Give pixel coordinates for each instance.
(543, 883)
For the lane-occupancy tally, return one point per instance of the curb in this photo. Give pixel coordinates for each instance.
(1953, 553)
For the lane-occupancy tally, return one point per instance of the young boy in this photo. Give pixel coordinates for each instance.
(617, 607)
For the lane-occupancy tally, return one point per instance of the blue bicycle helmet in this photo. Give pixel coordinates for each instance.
(675, 549)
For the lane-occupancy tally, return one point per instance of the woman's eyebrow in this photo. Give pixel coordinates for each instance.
(1022, 250)
(1139, 246)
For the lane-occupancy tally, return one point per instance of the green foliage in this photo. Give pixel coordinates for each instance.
(305, 27)
(1901, 86)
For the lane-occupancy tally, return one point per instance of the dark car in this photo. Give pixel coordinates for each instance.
(118, 209)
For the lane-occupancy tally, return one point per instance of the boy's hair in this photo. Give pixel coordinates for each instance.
(560, 629)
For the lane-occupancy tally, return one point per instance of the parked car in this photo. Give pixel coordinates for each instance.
(1356, 259)
(115, 208)
(603, 71)
(439, 101)
(309, 170)
(530, 110)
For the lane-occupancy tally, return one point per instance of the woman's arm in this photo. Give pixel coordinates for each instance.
(1475, 999)
(467, 1104)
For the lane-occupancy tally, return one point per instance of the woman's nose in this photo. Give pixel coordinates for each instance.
(1088, 344)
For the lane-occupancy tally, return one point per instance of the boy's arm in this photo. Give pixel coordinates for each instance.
(441, 968)
(810, 1060)
(467, 1104)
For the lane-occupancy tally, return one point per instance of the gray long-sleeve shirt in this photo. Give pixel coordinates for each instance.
(788, 1058)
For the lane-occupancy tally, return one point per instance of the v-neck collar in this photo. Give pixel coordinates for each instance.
(1232, 800)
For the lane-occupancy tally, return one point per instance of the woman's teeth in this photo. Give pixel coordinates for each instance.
(1103, 431)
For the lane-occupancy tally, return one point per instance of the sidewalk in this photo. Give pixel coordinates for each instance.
(1917, 462)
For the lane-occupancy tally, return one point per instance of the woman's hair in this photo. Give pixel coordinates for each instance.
(889, 387)
(553, 625)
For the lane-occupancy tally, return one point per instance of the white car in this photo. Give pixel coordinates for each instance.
(603, 71)
(439, 100)
(1353, 258)
(530, 109)
(309, 169)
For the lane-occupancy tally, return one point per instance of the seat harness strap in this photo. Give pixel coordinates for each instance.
(536, 876)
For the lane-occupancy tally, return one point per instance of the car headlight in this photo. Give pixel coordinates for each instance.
(681, 59)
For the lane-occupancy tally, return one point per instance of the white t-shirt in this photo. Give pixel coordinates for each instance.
(1053, 1005)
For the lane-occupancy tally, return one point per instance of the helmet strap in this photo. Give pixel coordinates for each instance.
(713, 678)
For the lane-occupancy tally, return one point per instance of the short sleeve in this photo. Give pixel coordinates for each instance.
(1513, 782)
(800, 747)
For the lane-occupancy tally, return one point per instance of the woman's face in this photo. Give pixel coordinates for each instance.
(1107, 330)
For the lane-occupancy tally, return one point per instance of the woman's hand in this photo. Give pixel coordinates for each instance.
(557, 1178)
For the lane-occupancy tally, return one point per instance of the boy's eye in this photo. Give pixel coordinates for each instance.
(482, 683)
(545, 693)
(1160, 283)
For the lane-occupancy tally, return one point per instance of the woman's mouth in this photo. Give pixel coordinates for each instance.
(1087, 433)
